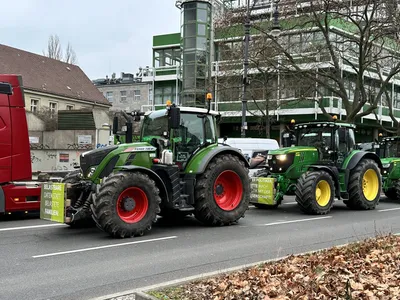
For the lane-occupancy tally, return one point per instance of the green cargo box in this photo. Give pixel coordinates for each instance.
(262, 190)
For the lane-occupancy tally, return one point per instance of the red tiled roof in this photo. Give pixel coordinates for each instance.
(48, 75)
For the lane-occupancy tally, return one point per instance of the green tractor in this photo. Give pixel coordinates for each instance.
(389, 151)
(177, 168)
(323, 165)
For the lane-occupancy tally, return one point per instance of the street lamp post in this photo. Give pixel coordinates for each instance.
(245, 67)
(275, 31)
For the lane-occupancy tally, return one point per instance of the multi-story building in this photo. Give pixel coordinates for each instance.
(128, 92)
(200, 58)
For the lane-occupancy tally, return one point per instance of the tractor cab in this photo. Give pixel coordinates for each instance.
(390, 147)
(180, 132)
(333, 141)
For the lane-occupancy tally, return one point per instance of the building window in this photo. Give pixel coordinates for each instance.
(34, 105)
(53, 109)
(110, 97)
(167, 57)
(123, 96)
(137, 95)
(70, 107)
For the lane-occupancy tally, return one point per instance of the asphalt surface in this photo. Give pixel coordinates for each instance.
(57, 262)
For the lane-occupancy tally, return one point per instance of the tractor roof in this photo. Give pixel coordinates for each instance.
(161, 112)
(324, 124)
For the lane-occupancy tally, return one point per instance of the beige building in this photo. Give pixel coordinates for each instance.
(126, 93)
(66, 113)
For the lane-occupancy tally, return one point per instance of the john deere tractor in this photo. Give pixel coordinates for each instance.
(389, 151)
(177, 168)
(323, 165)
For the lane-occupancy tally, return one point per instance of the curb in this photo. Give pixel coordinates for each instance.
(144, 296)
(140, 293)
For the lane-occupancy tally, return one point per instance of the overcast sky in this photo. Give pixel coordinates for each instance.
(107, 36)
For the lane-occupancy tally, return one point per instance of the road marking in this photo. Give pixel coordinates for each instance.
(288, 203)
(104, 247)
(296, 221)
(389, 209)
(287, 222)
(31, 227)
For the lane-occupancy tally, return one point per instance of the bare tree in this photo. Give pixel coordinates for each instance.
(70, 55)
(54, 50)
(264, 75)
(362, 41)
(346, 50)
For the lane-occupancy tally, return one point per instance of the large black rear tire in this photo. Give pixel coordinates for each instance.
(73, 177)
(315, 192)
(365, 186)
(222, 192)
(127, 204)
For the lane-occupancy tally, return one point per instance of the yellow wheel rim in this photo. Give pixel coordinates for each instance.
(370, 185)
(323, 193)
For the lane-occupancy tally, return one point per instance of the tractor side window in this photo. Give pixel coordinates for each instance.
(210, 132)
(351, 139)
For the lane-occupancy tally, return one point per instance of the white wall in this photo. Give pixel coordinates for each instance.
(51, 160)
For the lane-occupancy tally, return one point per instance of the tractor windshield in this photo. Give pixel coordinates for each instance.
(154, 125)
(314, 137)
(392, 148)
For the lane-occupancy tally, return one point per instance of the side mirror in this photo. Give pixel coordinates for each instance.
(115, 125)
(174, 117)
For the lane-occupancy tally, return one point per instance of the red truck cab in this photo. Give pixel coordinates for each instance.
(17, 191)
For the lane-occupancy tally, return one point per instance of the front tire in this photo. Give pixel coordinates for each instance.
(222, 192)
(315, 192)
(127, 204)
(365, 185)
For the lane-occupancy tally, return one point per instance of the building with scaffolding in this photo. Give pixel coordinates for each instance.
(200, 57)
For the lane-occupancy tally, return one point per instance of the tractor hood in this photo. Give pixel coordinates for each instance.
(288, 150)
(386, 162)
(94, 158)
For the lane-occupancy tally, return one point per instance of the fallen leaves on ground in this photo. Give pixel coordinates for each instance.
(366, 270)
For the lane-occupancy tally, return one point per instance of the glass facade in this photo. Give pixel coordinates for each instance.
(195, 44)
(167, 57)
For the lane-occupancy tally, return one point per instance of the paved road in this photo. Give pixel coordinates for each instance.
(57, 262)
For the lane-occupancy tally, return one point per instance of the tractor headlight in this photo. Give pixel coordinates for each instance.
(91, 171)
(385, 166)
(269, 156)
(281, 157)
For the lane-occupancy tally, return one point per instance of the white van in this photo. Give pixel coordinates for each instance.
(250, 147)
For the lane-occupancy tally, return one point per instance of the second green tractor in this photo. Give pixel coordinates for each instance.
(323, 165)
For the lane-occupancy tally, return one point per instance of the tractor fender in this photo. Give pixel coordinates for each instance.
(153, 175)
(217, 151)
(331, 171)
(360, 155)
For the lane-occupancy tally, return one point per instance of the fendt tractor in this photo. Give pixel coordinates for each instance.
(323, 165)
(178, 168)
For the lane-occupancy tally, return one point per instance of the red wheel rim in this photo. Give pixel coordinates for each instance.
(140, 203)
(228, 190)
